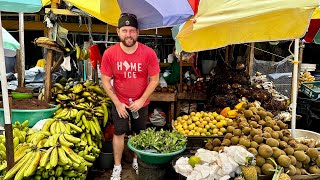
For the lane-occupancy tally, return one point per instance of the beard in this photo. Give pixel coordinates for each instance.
(124, 41)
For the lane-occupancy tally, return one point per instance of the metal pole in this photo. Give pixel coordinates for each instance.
(294, 87)
(22, 51)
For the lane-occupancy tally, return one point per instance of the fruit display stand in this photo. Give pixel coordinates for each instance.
(69, 142)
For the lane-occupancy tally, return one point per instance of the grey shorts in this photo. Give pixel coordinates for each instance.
(121, 125)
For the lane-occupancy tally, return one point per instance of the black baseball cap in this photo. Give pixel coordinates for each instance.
(127, 19)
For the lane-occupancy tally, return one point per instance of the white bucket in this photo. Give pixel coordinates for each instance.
(308, 67)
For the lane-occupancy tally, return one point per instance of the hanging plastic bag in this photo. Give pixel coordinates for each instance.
(158, 117)
(162, 82)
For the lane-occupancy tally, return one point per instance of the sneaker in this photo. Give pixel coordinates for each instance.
(116, 174)
(135, 167)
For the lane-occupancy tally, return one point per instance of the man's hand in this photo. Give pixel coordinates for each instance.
(122, 112)
(134, 107)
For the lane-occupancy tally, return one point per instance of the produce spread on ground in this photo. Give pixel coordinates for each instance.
(244, 136)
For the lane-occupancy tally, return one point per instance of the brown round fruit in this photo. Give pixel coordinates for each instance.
(265, 151)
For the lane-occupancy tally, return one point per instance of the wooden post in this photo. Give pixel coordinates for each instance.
(180, 62)
(49, 60)
(250, 59)
(19, 70)
(226, 58)
(9, 140)
(21, 65)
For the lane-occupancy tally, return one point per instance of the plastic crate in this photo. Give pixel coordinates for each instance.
(311, 89)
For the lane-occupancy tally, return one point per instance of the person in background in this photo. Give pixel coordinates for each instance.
(135, 70)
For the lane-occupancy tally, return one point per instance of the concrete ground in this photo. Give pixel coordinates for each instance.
(127, 173)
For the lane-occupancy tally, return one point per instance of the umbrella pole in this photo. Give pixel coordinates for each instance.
(21, 61)
(294, 92)
(5, 101)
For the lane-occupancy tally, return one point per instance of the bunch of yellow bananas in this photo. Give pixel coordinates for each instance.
(3, 156)
(65, 113)
(57, 161)
(47, 43)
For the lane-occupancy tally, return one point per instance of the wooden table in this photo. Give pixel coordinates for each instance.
(166, 97)
(185, 96)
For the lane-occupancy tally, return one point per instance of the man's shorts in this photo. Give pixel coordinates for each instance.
(121, 126)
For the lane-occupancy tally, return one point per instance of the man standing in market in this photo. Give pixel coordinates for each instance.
(135, 71)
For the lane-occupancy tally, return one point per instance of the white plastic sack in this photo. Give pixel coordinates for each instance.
(158, 118)
(163, 82)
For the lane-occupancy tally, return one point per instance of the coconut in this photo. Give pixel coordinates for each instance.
(248, 114)
(289, 150)
(300, 155)
(312, 153)
(284, 161)
(274, 135)
(253, 151)
(237, 132)
(291, 170)
(260, 161)
(265, 151)
(230, 129)
(272, 142)
(276, 152)
(235, 140)
(267, 169)
(258, 139)
(282, 144)
(228, 135)
(293, 160)
(254, 144)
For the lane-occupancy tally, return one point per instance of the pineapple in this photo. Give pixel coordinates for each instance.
(284, 176)
(249, 170)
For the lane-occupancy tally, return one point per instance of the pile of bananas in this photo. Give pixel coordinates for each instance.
(58, 161)
(86, 96)
(47, 43)
(19, 136)
(306, 77)
(81, 54)
(63, 132)
(3, 156)
(60, 149)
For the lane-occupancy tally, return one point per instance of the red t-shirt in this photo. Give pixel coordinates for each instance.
(130, 72)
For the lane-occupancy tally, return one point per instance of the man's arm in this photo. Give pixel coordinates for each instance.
(153, 83)
(121, 107)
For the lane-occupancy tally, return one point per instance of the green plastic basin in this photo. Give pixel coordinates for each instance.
(155, 158)
(32, 115)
